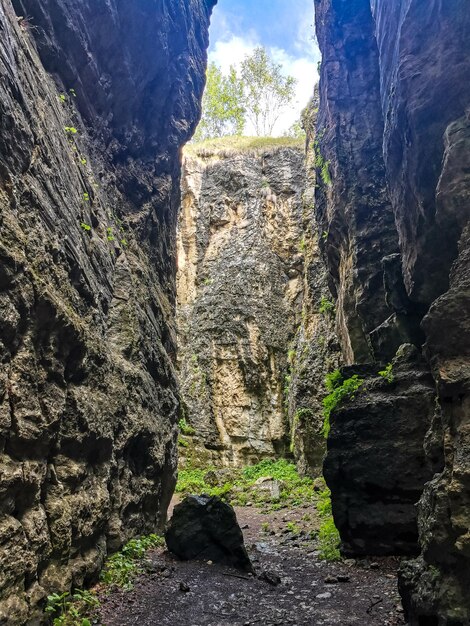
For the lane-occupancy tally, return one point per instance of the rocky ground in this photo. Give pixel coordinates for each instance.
(291, 586)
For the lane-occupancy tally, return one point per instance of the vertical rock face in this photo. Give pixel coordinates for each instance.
(239, 299)
(394, 132)
(316, 349)
(96, 98)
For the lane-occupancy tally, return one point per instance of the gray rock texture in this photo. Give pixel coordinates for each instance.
(96, 98)
(393, 133)
(240, 288)
(316, 348)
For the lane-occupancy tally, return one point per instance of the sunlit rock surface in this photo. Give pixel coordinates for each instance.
(240, 288)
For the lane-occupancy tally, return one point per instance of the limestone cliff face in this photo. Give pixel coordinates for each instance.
(316, 349)
(96, 98)
(240, 286)
(393, 139)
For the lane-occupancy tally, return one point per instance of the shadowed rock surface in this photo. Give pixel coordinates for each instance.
(393, 130)
(206, 528)
(374, 504)
(96, 98)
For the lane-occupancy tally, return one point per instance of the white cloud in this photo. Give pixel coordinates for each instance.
(233, 49)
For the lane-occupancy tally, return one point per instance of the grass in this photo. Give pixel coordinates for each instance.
(227, 146)
(239, 486)
(239, 489)
(328, 535)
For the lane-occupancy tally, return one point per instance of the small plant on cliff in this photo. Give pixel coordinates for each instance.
(301, 416)
(71, 609)
(326, 307)
(70, 130)
(121, 568)
(387, 373)
(339, 390)
(85, 226)
(185, 428)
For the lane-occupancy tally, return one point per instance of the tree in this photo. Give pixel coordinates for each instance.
(222, 105)
(267, 92)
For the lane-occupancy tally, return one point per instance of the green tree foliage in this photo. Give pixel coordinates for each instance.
(258, 94)
(222, 105)
(267, 91)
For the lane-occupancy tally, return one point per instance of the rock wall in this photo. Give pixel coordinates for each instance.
(96, 98)
(240, 288)
(316, 349)
(393, 147)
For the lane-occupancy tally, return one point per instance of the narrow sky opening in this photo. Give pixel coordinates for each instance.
(284, 27)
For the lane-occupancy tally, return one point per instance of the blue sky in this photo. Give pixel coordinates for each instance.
(285, 27)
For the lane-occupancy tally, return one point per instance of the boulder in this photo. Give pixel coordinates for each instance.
(206, 528)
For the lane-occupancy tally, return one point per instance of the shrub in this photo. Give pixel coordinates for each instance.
(339, 391)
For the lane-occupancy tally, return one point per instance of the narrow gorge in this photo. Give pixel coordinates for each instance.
(259, 315)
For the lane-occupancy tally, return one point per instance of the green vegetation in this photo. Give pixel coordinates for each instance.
(293, 528)
(239, 486)
(110, 234)
(326, 307)
(258, 93)
(62, 97)
(291, 355)
(328, 535)
(85, 226)
(71, 609)
(387, 373)
(71, 130)
(121, 568)
(339, 390)
(301, 416)
(267, 92)
(225, 146)
(321, 164)
(222, 105)
(86, 197)
(185, 428)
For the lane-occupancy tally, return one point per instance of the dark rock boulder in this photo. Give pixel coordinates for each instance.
(375, 465)
(205, 528)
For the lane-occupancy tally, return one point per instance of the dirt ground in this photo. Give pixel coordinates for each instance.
(310, 592)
